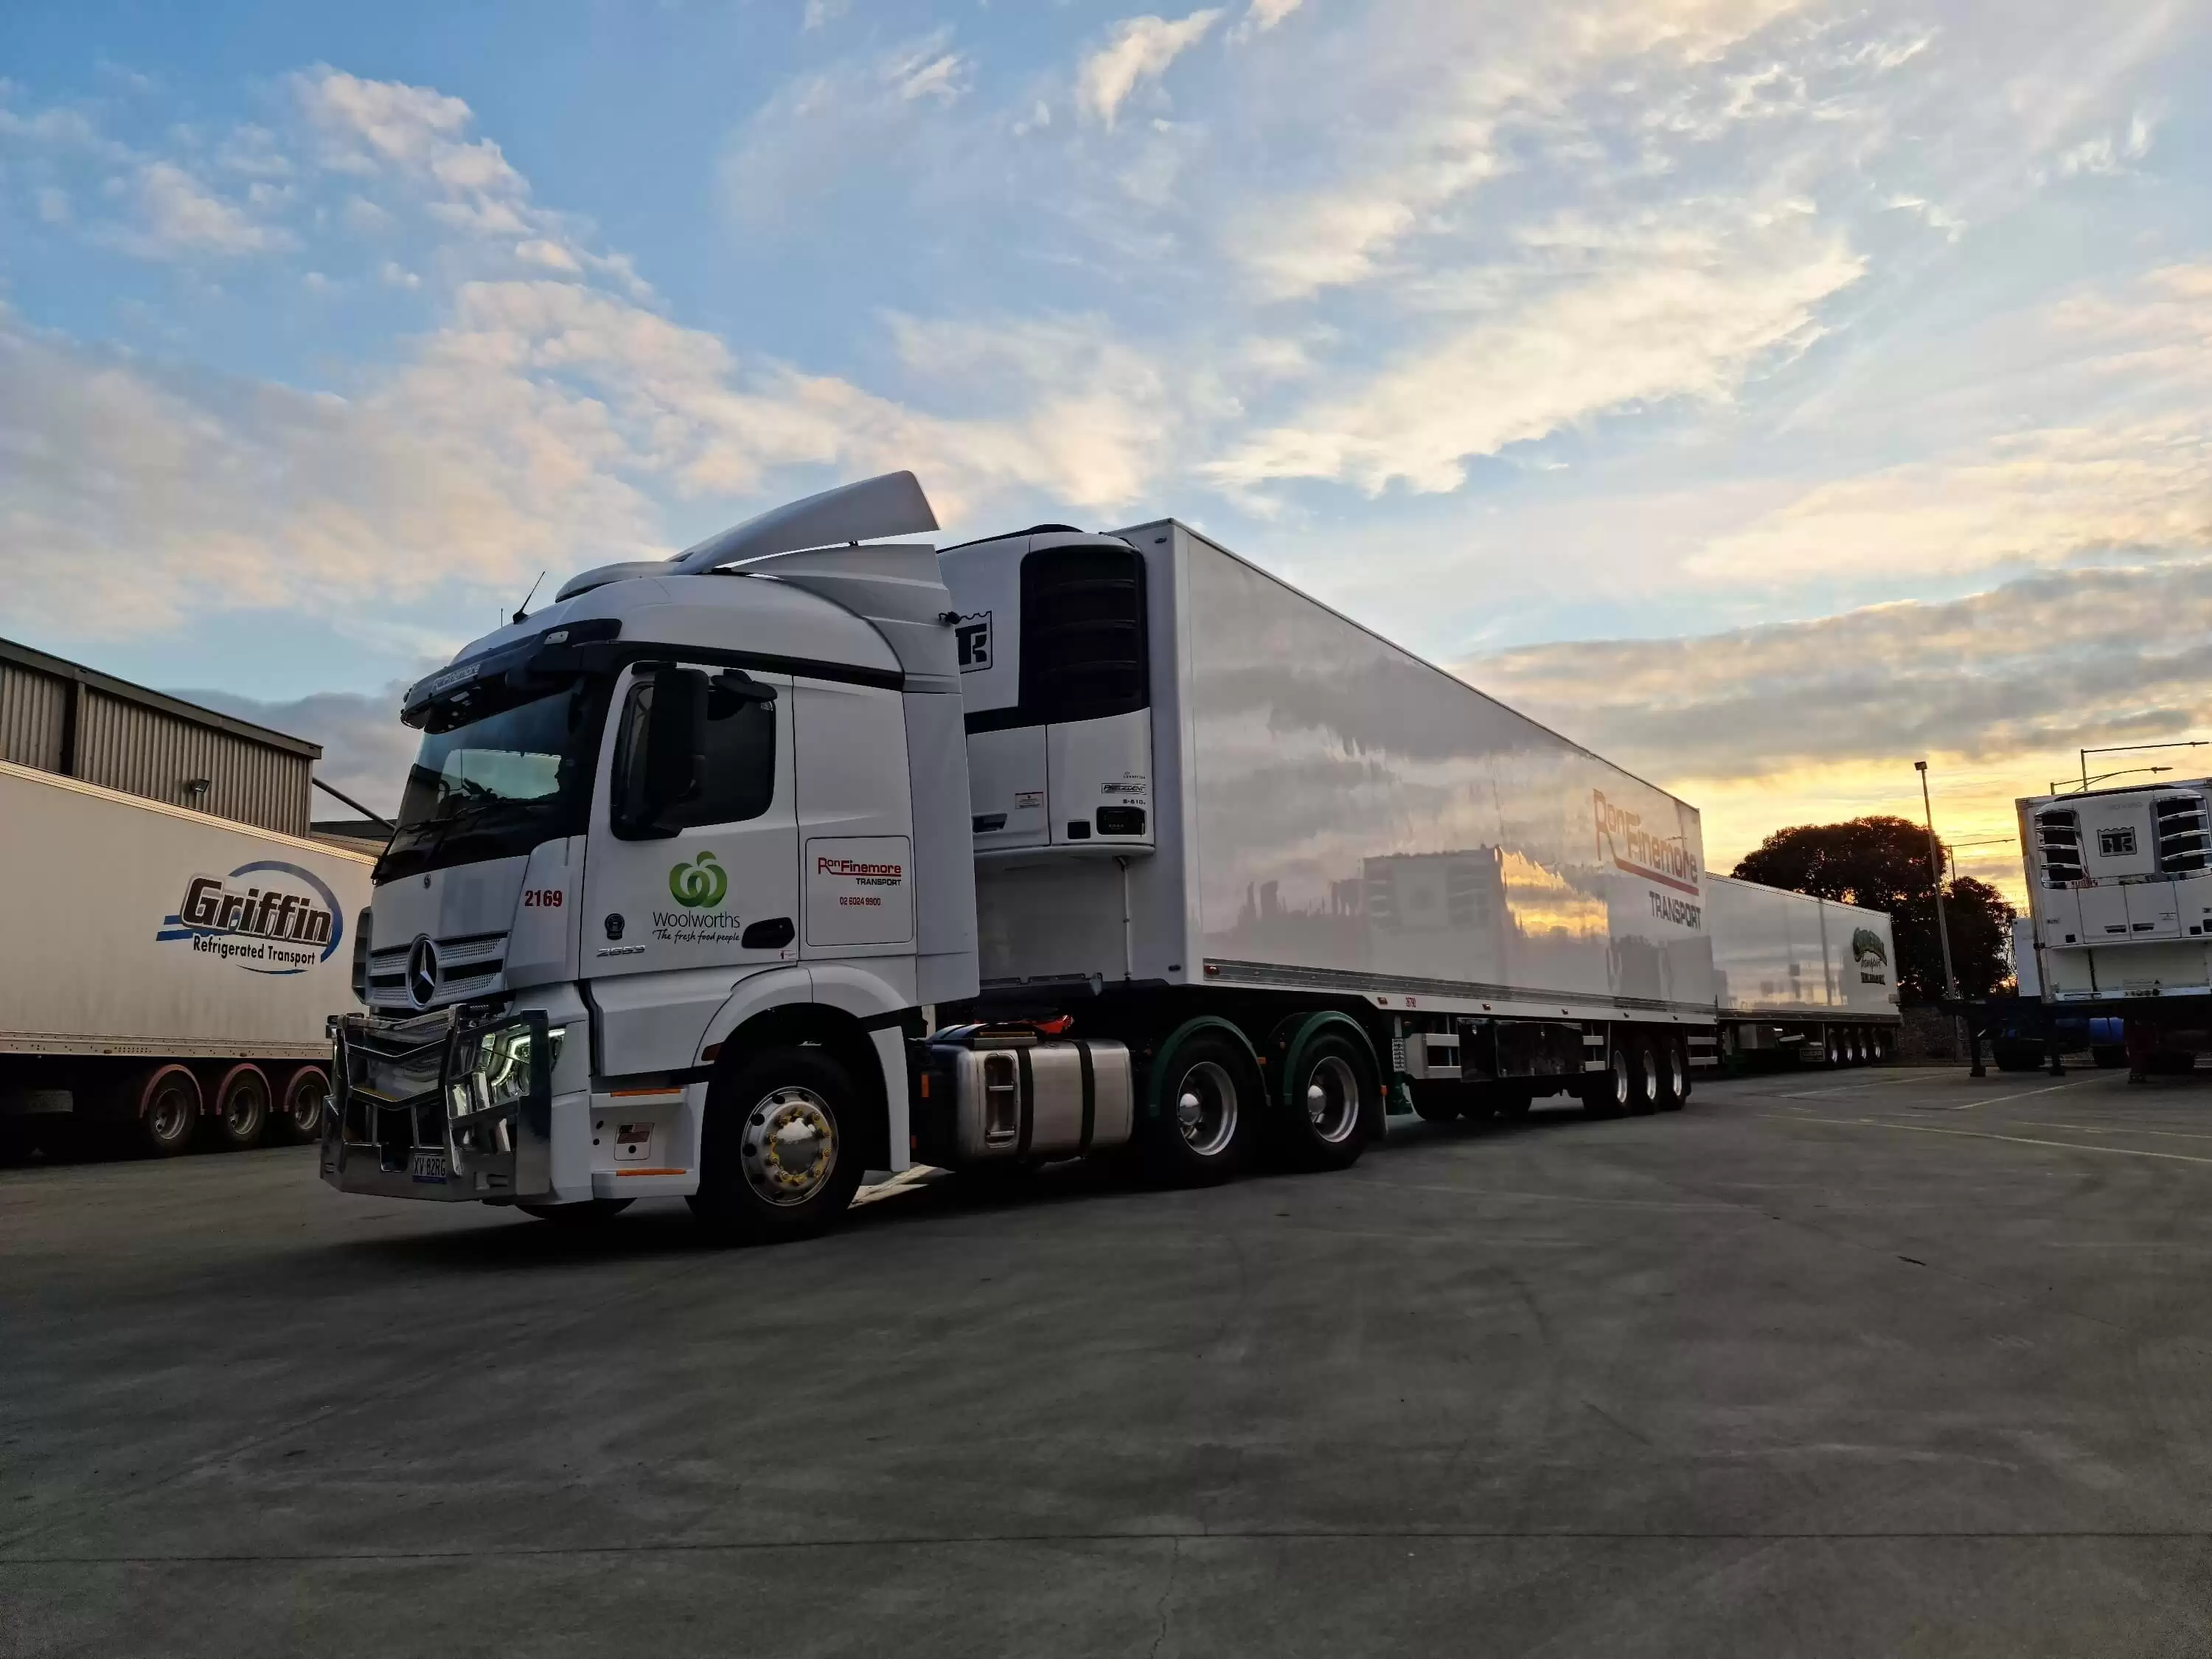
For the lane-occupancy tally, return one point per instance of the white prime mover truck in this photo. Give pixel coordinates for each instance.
(165, 970)
(735, 875)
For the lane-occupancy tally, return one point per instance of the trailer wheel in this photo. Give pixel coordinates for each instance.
(1197, 1127)
(2108, 1056)
(307, 1098)
(1320, 1122)
(1435, 1101)
(780, 1156)
(1645, 1099)
(1611, 1091)
(165, 1101)
(1673, 1075)
(241, 1108)
(1512, 1102)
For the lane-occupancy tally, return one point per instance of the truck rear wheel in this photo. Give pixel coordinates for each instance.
(165, 1101)
(1435, 1101)
(1198, 1127)
(1611, 1091)
(241, 1108)
(1320, 1121)
(780, 1156)
(1673, 1075)
(1645, 1099)
(306, 1097)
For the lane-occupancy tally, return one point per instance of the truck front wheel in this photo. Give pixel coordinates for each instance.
(1196, 1131)
(780, 1156)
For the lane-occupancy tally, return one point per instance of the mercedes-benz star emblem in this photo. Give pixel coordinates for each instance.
(422, 972)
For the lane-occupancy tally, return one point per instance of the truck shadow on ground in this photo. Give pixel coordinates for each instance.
(665, 1228)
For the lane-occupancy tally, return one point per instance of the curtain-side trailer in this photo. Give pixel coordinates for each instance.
(1796, 974)
(166, 972)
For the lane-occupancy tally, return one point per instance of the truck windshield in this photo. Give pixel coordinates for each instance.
(497, 776)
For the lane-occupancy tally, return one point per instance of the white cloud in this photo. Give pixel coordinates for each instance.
(2109, 153)
(1673, 311)
(820, 12)
(179, 216)
(1264, 14)
(1138, 50)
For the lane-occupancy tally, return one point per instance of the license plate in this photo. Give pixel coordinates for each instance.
(428, 1166)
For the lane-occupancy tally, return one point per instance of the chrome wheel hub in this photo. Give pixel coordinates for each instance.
(790, 1145)
(1205, 1108)
(1333, 1099)
(170, 1114)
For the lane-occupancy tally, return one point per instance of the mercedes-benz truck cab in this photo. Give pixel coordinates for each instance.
(696, 824)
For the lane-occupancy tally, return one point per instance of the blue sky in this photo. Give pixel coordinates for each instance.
(1865, 345)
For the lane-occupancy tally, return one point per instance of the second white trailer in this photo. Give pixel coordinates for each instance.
(1798, 975)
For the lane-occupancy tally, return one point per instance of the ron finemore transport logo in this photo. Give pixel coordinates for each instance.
(1622, 838)
(267, 917)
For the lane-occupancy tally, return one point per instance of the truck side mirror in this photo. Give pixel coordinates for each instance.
(668, 762)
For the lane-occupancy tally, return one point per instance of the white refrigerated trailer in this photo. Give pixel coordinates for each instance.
(734, 875)
(162, 968)
(2120, 914)
(1798, 975)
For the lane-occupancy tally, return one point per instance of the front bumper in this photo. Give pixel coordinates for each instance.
(404, 1124)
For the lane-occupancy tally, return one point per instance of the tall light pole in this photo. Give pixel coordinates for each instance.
(1943, 923)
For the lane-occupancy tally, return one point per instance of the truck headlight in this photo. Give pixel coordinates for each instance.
(500, 1066)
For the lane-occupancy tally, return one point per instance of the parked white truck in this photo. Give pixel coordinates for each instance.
(1795, 974)
(166, 971)
(2119, 885)
(736, 875)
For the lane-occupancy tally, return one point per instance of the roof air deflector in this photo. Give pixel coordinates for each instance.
(893, 505)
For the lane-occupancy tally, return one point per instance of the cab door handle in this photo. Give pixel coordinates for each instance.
(770, 935)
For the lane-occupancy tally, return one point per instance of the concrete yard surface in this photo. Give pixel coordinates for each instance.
(1873, 1362)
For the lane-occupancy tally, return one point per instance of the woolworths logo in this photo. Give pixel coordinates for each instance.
(701, 884)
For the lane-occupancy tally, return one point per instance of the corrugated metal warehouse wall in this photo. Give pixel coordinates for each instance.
(144, 752)
(33, 717)
(61, 718)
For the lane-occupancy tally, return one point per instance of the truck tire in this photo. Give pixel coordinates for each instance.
(1198, 1126)
(780, 1156)
(306, 1099)
(1609, 1093)
(241, 1108)
(1645, 1100)
(1674, 1075)
(1509, 1102)
(165, 1103)
(1435, 1101)
(2108, 1056)
(1320, 1122)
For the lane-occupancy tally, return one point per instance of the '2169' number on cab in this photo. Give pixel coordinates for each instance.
(541, 898)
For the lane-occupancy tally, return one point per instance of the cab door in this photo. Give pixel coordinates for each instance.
(677, 911)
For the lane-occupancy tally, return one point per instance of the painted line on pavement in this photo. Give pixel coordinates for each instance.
(2018, 1141)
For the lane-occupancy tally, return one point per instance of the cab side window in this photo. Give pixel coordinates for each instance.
(736, 778)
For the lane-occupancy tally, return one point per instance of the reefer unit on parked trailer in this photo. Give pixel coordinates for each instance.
(1793, 974)
(166, 966)
(2119, 889)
